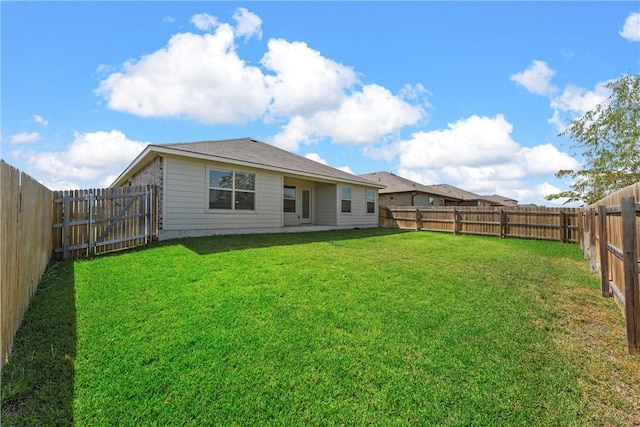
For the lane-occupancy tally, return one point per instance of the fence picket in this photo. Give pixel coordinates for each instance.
(102, 220)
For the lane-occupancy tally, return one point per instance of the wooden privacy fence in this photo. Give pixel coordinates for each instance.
(610, 241)
(25, 247)
(95, 221)
(557, 224)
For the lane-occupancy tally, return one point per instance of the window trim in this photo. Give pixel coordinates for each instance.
(374, 201)
(295, 198)
(342, 200)
(232, 189)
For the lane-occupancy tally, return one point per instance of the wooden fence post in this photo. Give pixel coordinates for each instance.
(563, 227)
(66, 213)
(592, 239)
(503, 224)
(604, 251)
(456, 222)
(630, 252)
(418, 220)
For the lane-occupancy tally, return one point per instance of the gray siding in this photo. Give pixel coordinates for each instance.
(326, 204)
(358, 217)
(291, 218)
(186, 193)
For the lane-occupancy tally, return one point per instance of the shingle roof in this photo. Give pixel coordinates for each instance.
(456, 192)
(251, 152)
(398, 184)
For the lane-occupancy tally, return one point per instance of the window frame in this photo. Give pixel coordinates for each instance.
(343, 200)
(238, 192)
(367, 201)
(285, 199)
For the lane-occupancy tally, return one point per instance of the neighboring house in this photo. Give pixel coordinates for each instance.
(400, 191)
(498, 200)
(467, 198)
(246, 186)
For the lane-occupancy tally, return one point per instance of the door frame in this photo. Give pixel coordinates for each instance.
(304, 220)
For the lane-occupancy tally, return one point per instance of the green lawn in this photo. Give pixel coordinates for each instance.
(358, 327)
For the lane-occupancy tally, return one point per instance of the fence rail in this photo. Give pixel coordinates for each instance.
(25, 247)
(38, 224)
(95, 221)
(609, 239)
(556, 224)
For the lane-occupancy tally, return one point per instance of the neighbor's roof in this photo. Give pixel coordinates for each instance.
(457, 193)
(398, 184)
(467, 195)
(245, 152)
(498, 199)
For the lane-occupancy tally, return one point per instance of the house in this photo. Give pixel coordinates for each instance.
(467, 198)
(400, 191)
(243, 185)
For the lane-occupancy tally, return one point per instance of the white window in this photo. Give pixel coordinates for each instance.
(232, 190)
(345, 200)
(371, 201)
(289, 196)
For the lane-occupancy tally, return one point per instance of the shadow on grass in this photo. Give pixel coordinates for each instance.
(224, 243)
(38, 379)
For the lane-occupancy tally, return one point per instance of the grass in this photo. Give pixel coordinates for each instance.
(358, 327)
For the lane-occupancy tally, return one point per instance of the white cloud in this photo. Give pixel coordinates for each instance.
(316, 158)
(363, 118)
(247, 24)
(478, 154)
(196, 76)
(545, 159)
(346, 169)
(575, 101)
(168, 19)
(305, 81)
(579, 100)
(475, 140)
(204, 21)
(25, 138)
(39, 119)
(537, 193)
(536, 79)
(91, 158)
(631, 29)
(201, 77)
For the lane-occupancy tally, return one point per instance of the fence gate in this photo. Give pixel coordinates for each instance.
(94, 221)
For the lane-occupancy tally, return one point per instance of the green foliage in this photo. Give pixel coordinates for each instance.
(357, 327)
(608, 138)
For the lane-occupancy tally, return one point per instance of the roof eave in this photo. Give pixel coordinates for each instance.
(132, 168)
(159, 149)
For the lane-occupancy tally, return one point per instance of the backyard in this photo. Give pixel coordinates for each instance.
(355, 327)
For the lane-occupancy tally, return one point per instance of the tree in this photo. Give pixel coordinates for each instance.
(609, 140)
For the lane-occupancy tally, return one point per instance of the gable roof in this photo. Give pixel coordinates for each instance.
(468, 195)
(398, 184)
(244, 152)
(457, 193)
(500, 200)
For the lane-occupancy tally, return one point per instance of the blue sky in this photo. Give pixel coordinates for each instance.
(471, 94)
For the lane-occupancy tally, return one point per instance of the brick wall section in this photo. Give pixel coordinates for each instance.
(151, 174)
